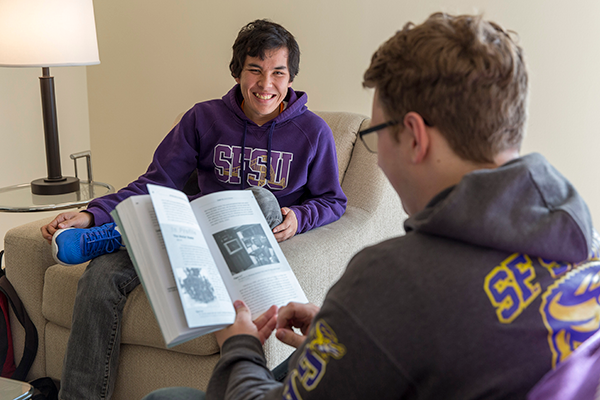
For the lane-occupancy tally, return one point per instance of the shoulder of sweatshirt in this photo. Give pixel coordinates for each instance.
(210, 109)
(311, 123)
(382, 260)
(203, 116)
(313, 128)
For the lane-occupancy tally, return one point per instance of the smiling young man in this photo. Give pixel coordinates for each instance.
(496, 279)
(264, 85)
(259, 135)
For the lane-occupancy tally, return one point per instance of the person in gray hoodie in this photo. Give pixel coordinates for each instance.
(496, 280)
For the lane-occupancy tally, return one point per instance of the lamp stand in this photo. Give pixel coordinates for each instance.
(55, 183)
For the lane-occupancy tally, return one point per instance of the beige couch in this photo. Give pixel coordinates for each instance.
(317, 257)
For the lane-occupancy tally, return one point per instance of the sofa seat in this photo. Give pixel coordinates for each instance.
(317, 257)
(139, 324)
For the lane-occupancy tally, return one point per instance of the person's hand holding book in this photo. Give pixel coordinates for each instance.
(261, 328)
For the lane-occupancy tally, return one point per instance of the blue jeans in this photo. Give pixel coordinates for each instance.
(92, 356)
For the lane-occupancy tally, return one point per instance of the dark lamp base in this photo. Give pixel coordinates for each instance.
(44, 186)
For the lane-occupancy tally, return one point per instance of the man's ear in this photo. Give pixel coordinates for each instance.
(237, 80)
(418, 136)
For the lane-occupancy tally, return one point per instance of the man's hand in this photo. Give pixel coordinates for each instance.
(295, 315)
(288, 227)
(68, 219)
(261, 328)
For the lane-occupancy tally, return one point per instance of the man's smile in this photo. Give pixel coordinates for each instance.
(264, 96)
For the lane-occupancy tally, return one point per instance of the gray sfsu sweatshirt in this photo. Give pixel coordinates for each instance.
(494, 283)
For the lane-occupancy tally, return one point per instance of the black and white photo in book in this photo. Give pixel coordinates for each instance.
(196, 287)
(245, 247)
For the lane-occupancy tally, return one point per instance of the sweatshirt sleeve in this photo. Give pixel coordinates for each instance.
(242, 372)
(172, 163)
(339, 360)
(325, 202)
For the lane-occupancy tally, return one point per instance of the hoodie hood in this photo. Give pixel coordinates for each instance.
(296, 105)
(525, 206)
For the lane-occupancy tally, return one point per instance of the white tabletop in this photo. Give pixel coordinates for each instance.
(14, 390)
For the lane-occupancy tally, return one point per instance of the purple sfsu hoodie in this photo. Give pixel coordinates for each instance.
(576, 378)
(293, 156)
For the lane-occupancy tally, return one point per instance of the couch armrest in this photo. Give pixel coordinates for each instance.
(28, 255)
(319, 257)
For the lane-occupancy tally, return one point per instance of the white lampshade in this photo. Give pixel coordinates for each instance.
(47, 33)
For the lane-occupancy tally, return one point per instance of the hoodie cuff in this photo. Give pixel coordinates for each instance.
(100, 217)
(299, 217)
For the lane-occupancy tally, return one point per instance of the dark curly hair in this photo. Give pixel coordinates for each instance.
(260, 36)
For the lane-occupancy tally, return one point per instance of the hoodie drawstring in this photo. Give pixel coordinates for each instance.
(282, 106)
(269, 142)
(269, 151)
(243, 154)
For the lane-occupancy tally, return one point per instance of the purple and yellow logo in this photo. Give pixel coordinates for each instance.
(511, 288)
(227, 161)
(312, 364)
(571, 309)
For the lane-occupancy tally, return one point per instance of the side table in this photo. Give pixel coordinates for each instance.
(15, 390)
(18, 198)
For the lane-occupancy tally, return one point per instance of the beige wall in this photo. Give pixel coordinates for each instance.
(158, 58)
(22, 152)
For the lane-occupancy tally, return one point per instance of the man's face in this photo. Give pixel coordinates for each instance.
(264, 85)
(390, 156)
(386, 158)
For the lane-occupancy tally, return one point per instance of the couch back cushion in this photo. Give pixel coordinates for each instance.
(345, 127)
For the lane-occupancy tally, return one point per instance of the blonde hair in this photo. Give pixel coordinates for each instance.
(464, 75)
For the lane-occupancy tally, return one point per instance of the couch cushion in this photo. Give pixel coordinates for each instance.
(345, 127)
(139, 323)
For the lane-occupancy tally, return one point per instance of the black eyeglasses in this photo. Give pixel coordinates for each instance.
(370, 142)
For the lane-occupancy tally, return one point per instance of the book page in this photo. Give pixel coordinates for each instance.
(203, 294)
(139, 228)
(246, 252)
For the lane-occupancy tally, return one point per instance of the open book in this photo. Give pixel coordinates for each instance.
(194, 259)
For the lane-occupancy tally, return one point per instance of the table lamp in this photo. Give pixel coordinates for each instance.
(48, 33)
